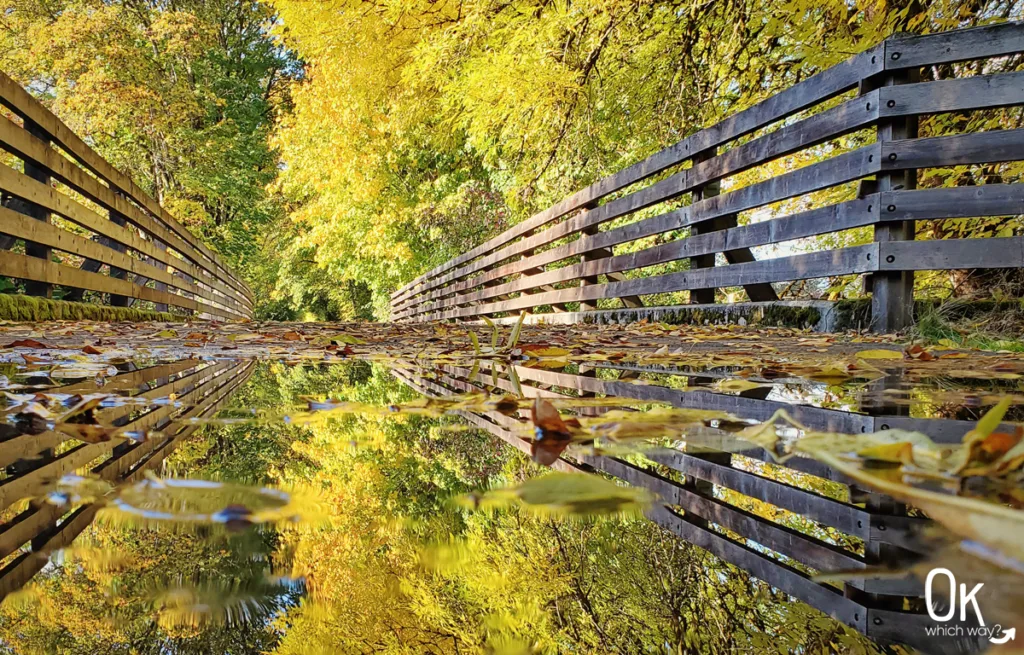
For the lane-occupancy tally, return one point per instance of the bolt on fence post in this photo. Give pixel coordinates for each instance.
(892, 292)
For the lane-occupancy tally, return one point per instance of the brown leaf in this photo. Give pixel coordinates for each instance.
(87, 432)
(919, 353)
(292, 336)
(551, 434)
(90, 350)
(26, 343)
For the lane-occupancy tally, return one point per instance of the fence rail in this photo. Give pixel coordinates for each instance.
(562, 255)
(132, 248)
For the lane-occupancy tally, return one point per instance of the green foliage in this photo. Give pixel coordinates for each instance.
(422, 128)
(182, 96)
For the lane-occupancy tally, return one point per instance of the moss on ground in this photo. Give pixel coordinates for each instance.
(767, 315)
(14, 307)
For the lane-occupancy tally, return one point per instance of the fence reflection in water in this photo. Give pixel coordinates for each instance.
(706, 495)
(34, 460)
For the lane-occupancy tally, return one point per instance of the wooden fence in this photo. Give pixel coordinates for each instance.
(701, 491)
(562, 255)
(129, 247)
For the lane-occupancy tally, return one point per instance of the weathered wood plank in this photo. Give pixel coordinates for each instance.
(955, 150)
(906, 51)
(952, 202)
(52, 200)
(24, 145)
(959, 94)
(24, 227)
(18, 100)
(952, 254)
(30, 268)
(843, 216)
(846, 261)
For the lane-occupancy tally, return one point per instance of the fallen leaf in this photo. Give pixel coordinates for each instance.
(879, 354)
(736, 386)
(577, 494)
(26, 343)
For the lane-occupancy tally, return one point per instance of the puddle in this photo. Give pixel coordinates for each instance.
(364, 504)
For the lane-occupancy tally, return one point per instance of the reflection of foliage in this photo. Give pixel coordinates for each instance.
(90, 607)
(257, 454)
(400, 570)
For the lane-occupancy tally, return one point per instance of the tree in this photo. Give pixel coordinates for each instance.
(180, 95)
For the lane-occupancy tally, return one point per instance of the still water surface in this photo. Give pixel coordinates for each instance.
(223, 506)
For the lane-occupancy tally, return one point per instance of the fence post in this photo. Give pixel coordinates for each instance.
(159, 286)
(892, 292)
(704, 296)
(40, 174)
(527, 272)
(118, 219)
(588, 305)
(760, 292)
(632, 302)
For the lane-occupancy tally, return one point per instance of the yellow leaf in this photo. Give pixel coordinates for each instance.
(341, 337)
(880, 354)
(547, 352)
(167, 334)
(736, 386)
(899, 453)
(989, 422)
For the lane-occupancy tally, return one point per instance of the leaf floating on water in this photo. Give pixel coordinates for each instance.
(551, 435)
(507, 405)
(167, 334)
(155, 501)
(542, 351)
(990, 421)
(244, 336)
(879, 354)
(575, 494)
(919, 353)
(901, 452)
(346, 339)
(736, 386)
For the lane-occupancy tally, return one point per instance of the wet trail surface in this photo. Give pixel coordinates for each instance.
(430, 488)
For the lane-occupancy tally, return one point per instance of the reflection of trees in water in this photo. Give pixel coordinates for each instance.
(403, 571)
(149, 591)
(398, 568)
